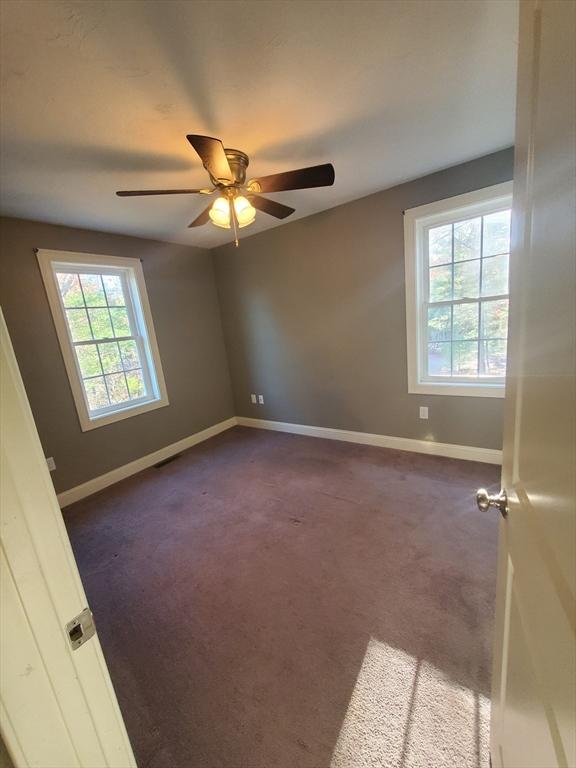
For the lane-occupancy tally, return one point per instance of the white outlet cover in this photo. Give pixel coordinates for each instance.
(51, 464)
(261, 399)
(253, 399)
(423, 411)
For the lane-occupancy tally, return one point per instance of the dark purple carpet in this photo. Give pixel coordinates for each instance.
(236, 590)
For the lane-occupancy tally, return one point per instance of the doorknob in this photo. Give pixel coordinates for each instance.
(486, 500)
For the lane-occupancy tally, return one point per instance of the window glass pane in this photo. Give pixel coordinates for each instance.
(465, 358)
(439, 358)
(495, 319)
(96, 393)
(110, 355)
(135, 384)
(439, 323)
(120, 321)
(467, 239)
(466, 320)
(114, 290)
(130, 356)
(440, 245)
(88, 360)
(440, 283)
(117, 388)
(495, 275)
(93, 290)
(466, 280)
(100, 321)
(494, 358)
(497, 233)
(70, 290)
(78, 324)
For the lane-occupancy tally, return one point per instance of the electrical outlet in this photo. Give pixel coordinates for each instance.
(253, 399)
(423, 411)
(51, 464)
(261, 399)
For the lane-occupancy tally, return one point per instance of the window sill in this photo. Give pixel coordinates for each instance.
(458, 389)
(87, 423)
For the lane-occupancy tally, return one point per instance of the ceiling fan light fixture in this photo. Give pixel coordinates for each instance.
(220, 213)
(226, 168)
(245, 212)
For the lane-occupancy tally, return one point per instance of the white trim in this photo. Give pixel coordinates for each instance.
(57, 705)
(487, 200)
(440, 210)
(140, 308)
(450, 450)
(115, 475)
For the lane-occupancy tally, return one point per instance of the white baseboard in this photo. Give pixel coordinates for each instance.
(103, 481)
(487, 455)
(450, 450)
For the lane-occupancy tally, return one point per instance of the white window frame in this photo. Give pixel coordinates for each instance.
(138, 307)
(417, 222)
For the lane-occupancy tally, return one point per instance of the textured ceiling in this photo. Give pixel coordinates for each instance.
(99, 95)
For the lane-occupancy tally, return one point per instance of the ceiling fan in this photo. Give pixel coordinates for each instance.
(237, 201)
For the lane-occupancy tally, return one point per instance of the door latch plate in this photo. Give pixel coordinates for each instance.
(81, 628)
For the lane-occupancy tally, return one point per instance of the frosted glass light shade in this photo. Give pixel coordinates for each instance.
(245, 213)
(220, 213)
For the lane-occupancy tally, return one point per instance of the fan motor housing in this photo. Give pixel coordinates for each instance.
(238, 162)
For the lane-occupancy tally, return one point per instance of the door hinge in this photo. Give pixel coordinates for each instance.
(81, 628)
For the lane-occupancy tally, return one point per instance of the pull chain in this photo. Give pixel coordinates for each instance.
(234, 221)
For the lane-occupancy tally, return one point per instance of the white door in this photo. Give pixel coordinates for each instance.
(534, 688)
(57, 705)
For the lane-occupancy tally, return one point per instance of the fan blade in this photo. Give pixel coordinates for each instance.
(213, 157)
(202, 219)
(270, 207)
(137, 192)
(303, 178)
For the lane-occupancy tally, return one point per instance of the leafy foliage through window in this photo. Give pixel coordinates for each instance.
(105, 342)
(467, 307)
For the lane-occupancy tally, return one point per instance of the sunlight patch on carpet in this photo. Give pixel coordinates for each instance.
(405, 713)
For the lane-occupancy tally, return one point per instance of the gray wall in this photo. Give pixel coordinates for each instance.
(184, 302)
(314, 318)
(313, 315)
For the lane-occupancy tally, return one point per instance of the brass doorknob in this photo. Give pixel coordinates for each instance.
(486, 500)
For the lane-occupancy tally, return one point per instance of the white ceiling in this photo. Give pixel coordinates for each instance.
(98, 95)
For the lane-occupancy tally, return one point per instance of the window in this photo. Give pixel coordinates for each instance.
(457, 253)
(104, 326)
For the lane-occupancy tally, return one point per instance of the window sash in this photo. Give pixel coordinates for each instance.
(133, 401)
(481, 361)
(426, 376)
(136, 336)
(424, 268)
